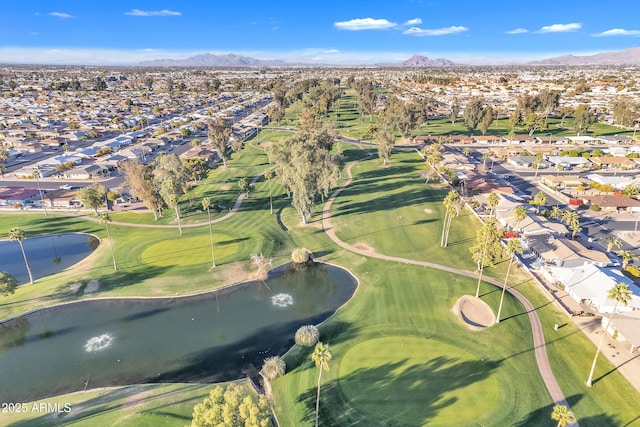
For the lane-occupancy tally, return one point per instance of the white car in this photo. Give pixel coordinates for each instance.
(65, 187)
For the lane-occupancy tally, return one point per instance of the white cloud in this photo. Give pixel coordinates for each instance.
(415, 21)
(331, 51)
(164, 12)
(415, 31)
(60, 15)
(560, 28)
(617, 32)
(364, 24)
(518, 31)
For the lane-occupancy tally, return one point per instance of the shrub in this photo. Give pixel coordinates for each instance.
(273, 367)
(632, 271)
(301, 255)
(307, 336)
(595, 208)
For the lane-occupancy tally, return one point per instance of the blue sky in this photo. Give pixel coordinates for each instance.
(331, 31)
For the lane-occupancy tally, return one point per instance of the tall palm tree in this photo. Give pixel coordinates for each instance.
(626, 256)
(321, 356)
(562, 414)
(105, 219)
(19, 235)
(622, 294)
(519, 214)
(513, 247)
(492, 201)
(36, 175)
(555, 213)
(452, 203)
(537, 163)
(268, 175)
(206, 204)
(612, 240)
(490, 231)
(485, 157)
(572, 219)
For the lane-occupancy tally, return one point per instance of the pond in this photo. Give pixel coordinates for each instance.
(46, 254)
(205, 338)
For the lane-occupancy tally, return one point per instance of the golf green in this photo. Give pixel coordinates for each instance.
(190, 250)
(418, 381)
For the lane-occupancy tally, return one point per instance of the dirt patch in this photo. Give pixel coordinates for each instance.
(92, 287)
(428, 211)
(225, 187)
(475, 313)
(363, 247)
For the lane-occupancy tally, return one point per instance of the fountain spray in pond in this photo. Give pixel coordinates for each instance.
(282, 300)
(98, 343)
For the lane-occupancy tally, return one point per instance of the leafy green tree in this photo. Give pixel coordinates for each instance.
(488, 117)
(232, 406)
(92, 196)
(533, 122)
(273, 367)
(562, 415)
(8, 284)
(386, 143)
(321, 357)
(621, 293)
(473, 113)
(454, 111)
(105, 219)
(245, 185)
(139, 180)
(171, 179)
(527, 103)
(19, 235)
(624, 111)
(196, 167)
(219, 133)
(513, 248)
(583, 119)
(549, 101)
(487, 248)
(206, 205)
(515, 119)
(564, 112)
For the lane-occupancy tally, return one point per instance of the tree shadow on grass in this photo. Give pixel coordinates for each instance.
(542, 416)
(615, 368)
(425, 386)
(121, 278)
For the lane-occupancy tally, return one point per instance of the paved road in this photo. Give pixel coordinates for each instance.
(539, 344)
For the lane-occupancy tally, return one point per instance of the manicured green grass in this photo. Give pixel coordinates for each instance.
(153, 405)
(417, 381)
(190, 250)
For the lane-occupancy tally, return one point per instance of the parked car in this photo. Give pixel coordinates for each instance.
(65, 187)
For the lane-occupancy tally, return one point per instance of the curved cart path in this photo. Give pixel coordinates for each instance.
(539, 345)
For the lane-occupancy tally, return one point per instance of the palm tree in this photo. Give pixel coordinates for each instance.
(36, 175)
(622, 294)
(555, 213)
(572, 219)
(453, 204)
(268, 175)
(539, 200)
(492, 201)
(19, 235)
(562, 414)
(321, 356)
(206, 204)
(612, 240)
(626, 256)
(485, 156)
(513, 247)
(490, 230)
(105, 219)
(537, 163)
(519, 214)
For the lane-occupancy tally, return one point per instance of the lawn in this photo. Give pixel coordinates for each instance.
(391, 210)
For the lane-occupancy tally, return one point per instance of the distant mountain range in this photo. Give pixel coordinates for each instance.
(629, 56)
(233, 60)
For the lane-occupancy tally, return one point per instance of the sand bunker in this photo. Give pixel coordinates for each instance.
(474, 312)
(428, 211)
(363, 247)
